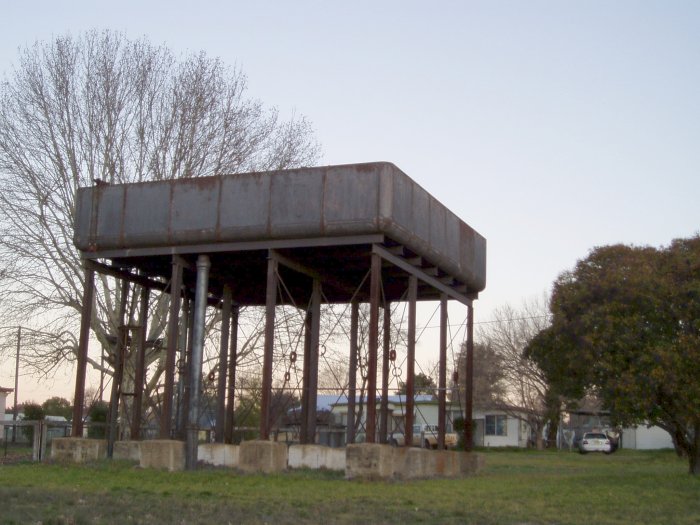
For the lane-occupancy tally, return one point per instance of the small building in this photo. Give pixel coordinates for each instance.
(4, 392)
(591, 418)
(497, 428)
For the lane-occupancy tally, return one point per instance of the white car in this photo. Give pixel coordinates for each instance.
(595, 442)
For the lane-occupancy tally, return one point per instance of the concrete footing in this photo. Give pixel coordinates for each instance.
(373, 462)
(163, 454)
(366, 461)
(127, 450)
(262, 456)
(219, 455)
(78, 450)
(316, 457)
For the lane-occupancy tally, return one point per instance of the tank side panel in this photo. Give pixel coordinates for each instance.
(110, 213)
(350, 201)
(146, 215)
(296, 199)
(193, 216)
(83, 201)
(245, 206)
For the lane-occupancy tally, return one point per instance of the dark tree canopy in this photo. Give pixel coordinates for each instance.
(626, 323)
(422, 384)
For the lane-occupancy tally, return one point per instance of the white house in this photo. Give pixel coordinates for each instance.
(496, 428)
(492, 428)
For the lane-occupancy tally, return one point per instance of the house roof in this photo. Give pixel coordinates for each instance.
(396, 399)
(4, 390)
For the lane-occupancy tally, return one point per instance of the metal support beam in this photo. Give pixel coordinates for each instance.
(173, 318)
(118, 376)
(270, 304)
(420, 273)
(372, 346)
(185, 351)
(411, 358)
(304, 416)
(314, 343)
(139, 375)
(233, 356)
(469, 382)
(386, 348)
(442, 374)
(223, 365)
(352, 373)
(200, 310)
(85, 318)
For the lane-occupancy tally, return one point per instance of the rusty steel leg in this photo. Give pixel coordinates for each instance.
(139, 374)
(186, 359)
(85, 318)
(270, 304)
(175, 289)
(223, 365)
(411, 358)
(195, 376)
(117, 378)
(352, 373)
(386, 348)
(304, 415)
(231, 393)
(313, 361)
(181, 367)
(372, 347)
(442, 374)
(469, 381)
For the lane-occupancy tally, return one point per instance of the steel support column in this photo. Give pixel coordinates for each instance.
(313, 361)
(386, 348)
(118, 376)
(139, 375)
(304, 416)
(469, 382)
(442, 374)
(195, 376)
(184, 350)
(270, 304)
(85, 318)
(233, 356)
(411, 358)
(173, 318)
(372, 347)
(223, 365)
(352, 373)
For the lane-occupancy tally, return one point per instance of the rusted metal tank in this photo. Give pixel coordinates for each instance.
(299, 204)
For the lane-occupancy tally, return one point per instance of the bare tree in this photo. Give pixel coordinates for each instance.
(102, 107)
(527, 394)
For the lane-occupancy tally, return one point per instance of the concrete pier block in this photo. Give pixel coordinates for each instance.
(219, 454)
(127, 450)
(163, 454)
(369, 461)
(262, 456)
(78, 450)
(316, 457)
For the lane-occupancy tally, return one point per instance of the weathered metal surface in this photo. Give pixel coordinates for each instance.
(307, 203)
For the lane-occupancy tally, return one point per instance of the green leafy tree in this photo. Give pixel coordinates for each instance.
(422, 384)
(626, 324)
(98, 415)
(58, 406)
(32, 412)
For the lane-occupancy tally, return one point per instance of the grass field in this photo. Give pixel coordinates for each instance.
(517, 487)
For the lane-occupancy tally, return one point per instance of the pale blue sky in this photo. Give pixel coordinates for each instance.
(549, 126)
